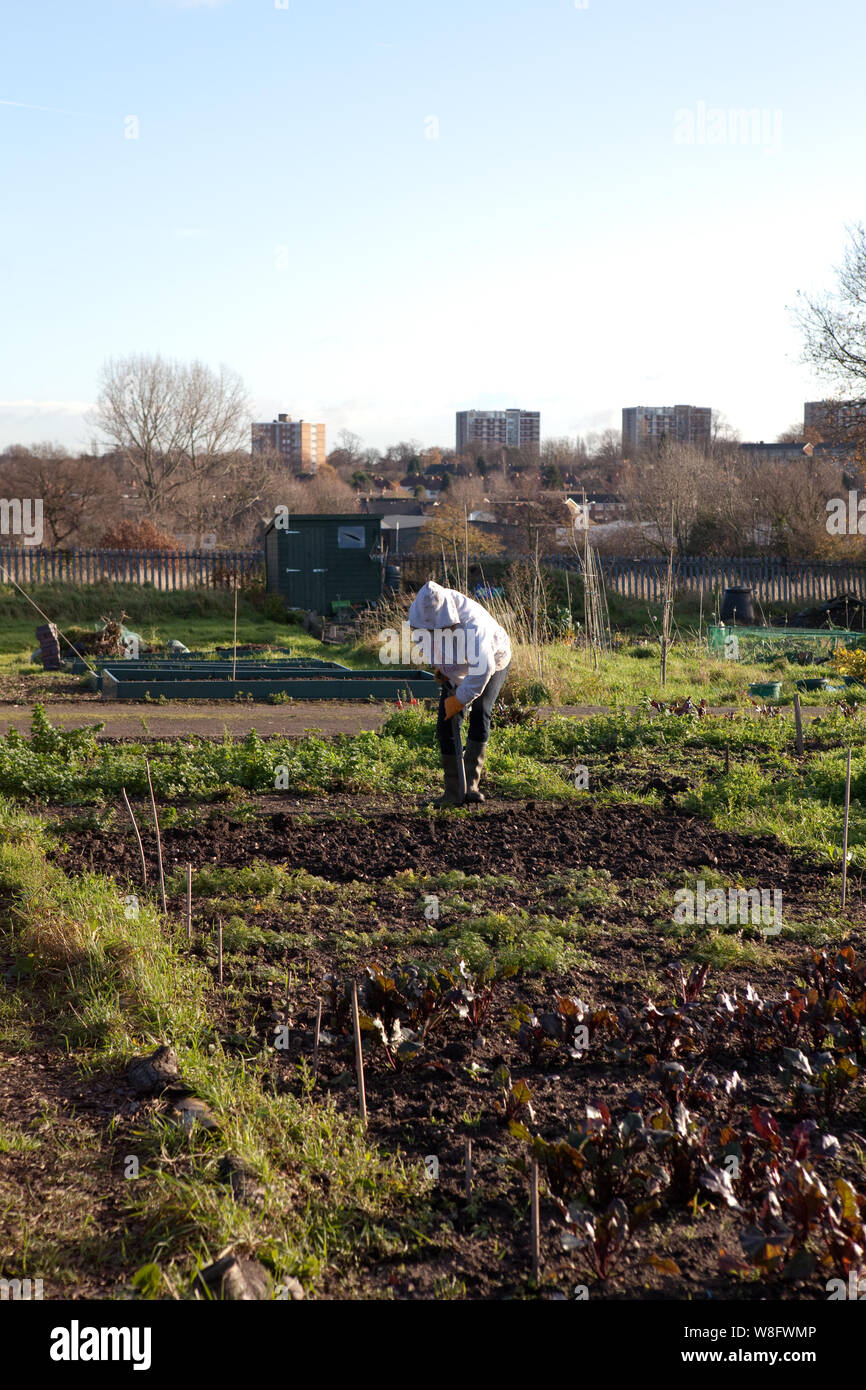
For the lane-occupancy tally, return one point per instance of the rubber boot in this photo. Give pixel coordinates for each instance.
(451, 796)
(474, 762)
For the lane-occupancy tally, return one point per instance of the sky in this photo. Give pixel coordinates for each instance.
(380, 212)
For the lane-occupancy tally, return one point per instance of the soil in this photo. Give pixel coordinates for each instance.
(523, 841)
(64, 1139)
(478, 1247)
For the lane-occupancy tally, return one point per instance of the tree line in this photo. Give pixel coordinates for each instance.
(173, 465)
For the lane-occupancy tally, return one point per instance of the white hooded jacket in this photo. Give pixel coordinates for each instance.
(478, 646)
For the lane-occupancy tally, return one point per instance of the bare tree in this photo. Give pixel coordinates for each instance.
(235, 504)
(794, 434)
(722, 432)
(834, 325)
(668, 489)
(323, 491)
(172, 423)
(78, 495)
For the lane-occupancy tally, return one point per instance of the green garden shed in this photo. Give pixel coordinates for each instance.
(319, 563)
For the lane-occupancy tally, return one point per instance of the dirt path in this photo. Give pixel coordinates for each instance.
(214, 719)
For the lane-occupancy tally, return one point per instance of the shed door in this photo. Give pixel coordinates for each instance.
(313, 564)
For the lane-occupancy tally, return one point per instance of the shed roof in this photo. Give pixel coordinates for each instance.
(328, 518)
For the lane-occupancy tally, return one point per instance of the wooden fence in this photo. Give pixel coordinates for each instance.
(773, 581)
(164, 569)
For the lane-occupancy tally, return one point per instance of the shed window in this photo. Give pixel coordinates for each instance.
(350, 537)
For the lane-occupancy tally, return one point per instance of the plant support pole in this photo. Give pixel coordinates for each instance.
(158, 838)
(235, 636)
(316, 1036)
(845, 834)
(798, 726)
(534, 1221)
(359, 1056)
(189, 902)
(137, 836)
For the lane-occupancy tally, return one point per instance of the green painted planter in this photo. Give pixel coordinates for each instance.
(819, 683)
(769, 691)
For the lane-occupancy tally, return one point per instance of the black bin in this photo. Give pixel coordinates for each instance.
(737, 606)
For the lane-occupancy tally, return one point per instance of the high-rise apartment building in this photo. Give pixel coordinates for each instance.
(300, 444)
(643, 425)
(514, 429)
(834, 417)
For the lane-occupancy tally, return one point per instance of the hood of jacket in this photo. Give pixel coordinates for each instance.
(434, 607)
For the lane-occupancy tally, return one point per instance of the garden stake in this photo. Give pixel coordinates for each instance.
(137, 836)
(536, 1250)
(798, 726)
(467, 1167)
(727, 759)
(316, 1036)
(359, 1056)
(189, 902)
(158, 839)
(845, 835)
(220, 950)
(235, 636)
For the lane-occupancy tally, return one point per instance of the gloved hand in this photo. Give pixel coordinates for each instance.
(452, 707)
(439, 678)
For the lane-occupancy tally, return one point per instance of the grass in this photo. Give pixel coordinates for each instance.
(107, 985)
(556, 673)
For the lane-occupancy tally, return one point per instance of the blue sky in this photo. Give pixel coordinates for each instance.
(380, 212)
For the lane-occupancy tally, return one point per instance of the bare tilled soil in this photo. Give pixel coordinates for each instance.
(629, 841)
(464, 1080)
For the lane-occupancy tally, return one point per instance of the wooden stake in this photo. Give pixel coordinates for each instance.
(359, 1056)
(189, 902)
(534, 1222)
(666, 612)
(158, 839)
(798, 726)
(235, 636)
(845, 835)
(727, 759)
(137, 836)
(316, 1036)
(467, 1168)
(220, 947)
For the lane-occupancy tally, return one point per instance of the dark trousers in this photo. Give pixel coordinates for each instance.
(480, 713)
